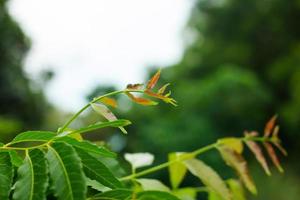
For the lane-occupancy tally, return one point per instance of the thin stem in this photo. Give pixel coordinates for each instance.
(189, 156)
(75, 116)
(166, 164)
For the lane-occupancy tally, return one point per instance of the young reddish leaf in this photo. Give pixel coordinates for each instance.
(256, 150)
(152, 82)
(109, 101)
(140, 100)
(165, 98)
(136, 86)
(163, 88)
(273, 156)
(106, 113)
(237, 162)
(269, 126)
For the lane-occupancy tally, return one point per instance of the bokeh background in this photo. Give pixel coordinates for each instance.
(232, 64)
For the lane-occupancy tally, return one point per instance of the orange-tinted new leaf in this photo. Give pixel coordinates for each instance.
(152, 82)
(273, 156)
(140, 100)
(159, 96)
(109, 101)
(269, 126)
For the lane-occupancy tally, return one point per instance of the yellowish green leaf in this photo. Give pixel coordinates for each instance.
(153, 184)
(109, 101)
(237, 189)
(234, 143)
(237, 162)
(177, 170)
(209, 177)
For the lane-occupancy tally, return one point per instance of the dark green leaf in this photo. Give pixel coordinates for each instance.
(15, 158)
(32, 177)
(116, 194)
(33, 136)
(96, 170)
(66, 172)
(88, 147)
(6, 175)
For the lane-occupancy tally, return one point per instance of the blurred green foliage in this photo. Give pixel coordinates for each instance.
(22, 104)
(241, 66)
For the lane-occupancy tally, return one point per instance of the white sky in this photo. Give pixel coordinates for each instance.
(91, 42)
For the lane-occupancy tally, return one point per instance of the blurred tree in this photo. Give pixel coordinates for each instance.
(22, 104)
(241, 66)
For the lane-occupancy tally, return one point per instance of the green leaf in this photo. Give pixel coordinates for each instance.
(116, 123)
(32, 177)
(153, 184)
(177, 170)
(88, 147)
(66, 172)
(188, 193)
(214, 196)
(6, 175)
(237, 189)
(96, 170)
(155, 195)
(15, 158)
(96, 185)
(237, 162)
(116, 194)
(33, 136)
(209, 177)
